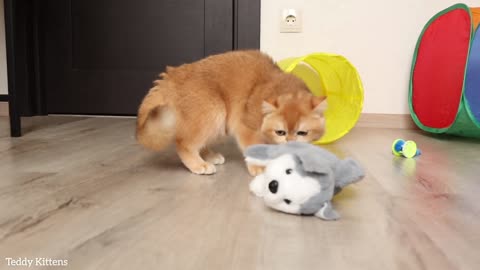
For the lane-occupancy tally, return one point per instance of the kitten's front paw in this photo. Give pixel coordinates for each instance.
(215, 158)
(255, 170)
(204, 168)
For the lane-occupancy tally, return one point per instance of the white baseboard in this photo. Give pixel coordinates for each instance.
(374, 120)
(371, 120)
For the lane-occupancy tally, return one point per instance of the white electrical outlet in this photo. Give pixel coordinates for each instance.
(290, 21)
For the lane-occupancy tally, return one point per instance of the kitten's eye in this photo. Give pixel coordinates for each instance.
(302, 133)
(288, 171)
(280, 132)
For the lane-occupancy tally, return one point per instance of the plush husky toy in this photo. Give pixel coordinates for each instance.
(301, 178)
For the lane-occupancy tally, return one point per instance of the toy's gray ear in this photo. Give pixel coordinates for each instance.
(259, 154)
(347, 171)
(312, 163)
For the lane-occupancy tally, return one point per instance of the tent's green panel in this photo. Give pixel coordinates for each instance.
(464, 125)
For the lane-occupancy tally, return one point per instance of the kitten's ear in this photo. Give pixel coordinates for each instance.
(269, 106)
(318, 104)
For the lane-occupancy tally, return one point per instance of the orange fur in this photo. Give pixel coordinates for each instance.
(240, 93)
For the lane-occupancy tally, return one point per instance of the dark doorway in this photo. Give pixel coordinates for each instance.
(101, 56)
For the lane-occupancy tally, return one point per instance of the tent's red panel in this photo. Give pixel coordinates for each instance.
(439, 69)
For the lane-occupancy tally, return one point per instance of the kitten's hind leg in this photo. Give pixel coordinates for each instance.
(199, 123)
(191, 158)
(212, 157)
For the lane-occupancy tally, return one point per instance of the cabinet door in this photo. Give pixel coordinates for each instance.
(101, 56)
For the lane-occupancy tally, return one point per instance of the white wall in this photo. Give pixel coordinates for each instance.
(377, 36)
(3, 57)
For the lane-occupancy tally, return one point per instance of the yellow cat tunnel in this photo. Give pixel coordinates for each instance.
(333, 76)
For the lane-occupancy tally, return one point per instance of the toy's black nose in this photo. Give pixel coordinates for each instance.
(273, 186)
(287, 201)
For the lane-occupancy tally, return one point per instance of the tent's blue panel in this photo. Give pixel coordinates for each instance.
(472, 79)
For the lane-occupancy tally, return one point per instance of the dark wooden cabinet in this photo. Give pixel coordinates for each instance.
(101, 56)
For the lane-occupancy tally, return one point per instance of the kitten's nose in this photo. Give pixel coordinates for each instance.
(290, 138)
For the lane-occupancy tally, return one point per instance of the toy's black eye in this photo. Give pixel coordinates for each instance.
(288, 171)
(302, 133)
(287, 201)
(280, 132)
(273, 186)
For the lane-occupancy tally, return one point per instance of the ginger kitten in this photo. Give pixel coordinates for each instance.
(242, 93)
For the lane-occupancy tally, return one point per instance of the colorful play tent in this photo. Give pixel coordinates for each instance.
(445, 78)
(333, 76)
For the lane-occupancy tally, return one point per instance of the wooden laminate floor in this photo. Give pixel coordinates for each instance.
(82, 190)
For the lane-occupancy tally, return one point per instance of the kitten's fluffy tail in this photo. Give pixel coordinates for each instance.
(156, 119)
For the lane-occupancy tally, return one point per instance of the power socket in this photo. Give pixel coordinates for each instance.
(291, 21)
